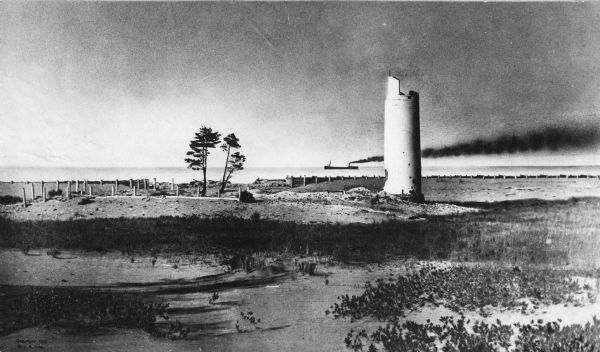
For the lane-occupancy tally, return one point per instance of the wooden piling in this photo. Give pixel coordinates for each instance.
(117, 186)
(155, 184)
(24, 200)
(218, 193)
(57, 186)
(43, 193)
(90, 188)
(177, 191)
(145, 184)
(76, 186)
(130, 183)
(112, 190)
(85, 182)
(137, 184)
(172, 184)
(316, 179)
(134, 191)
(68, 189)
(303, 180)
(32, 192)
(198, 191)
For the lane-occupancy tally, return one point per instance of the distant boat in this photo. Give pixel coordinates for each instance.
(349, 167)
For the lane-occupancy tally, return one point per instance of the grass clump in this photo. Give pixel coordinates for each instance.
(78, 310)
(461, 336)
(467, 288)
(459, 288)
(451, 336)
(552, 337)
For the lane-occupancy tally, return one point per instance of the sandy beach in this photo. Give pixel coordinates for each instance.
(290, 302)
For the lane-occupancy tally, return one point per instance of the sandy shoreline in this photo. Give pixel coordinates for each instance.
(290, 303)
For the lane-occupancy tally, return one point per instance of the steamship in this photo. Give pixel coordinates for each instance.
(349, 167)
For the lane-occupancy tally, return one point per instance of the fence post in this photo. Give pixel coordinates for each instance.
(177, 191)
(24, 201)
(117, 185)
(32, 192)
(145, 184)
(43, 193)
(84, 186)
(43, 189)
(137, 184)
(240, 194)
(90, 188)
(316, 179)
(76, 186)
(155, 184)
(112, 190)
(218, 193)
(198, 191)
(172, 184)
(57, 186)
(134, 191)
(68, 189)
(101, 183)
(328, 178)
(304, 180)
(130, 183)
(342, 178)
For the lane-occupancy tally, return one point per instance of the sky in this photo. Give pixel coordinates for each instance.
(128, 84)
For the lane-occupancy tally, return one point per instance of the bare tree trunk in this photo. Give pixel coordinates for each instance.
(205, 152)
(222, 189)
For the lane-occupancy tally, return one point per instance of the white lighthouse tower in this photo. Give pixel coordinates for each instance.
(402, 142)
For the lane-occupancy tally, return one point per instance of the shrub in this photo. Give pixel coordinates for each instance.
(458, 288)
(247, 197)
(10, 200)
(85, 201)
(79, 310)
(255, 217)
(54, 193)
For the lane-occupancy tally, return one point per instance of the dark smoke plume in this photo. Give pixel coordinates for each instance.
(368, 160)
(548, 139)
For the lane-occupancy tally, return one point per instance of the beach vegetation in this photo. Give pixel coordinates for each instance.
(10, 200)
(79, 310)
(517, 232)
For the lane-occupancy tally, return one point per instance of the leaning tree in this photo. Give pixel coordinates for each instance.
(235, 162)
(231, 142)
(198, 155)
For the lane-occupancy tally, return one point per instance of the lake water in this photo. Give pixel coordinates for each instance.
(182, 174)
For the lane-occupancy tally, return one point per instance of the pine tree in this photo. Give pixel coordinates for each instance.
(231, 142)
(203, 140)
(235, 162)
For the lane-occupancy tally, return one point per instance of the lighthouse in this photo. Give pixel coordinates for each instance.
(402, 142)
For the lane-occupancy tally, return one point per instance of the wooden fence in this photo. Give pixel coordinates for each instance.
(109, 188)
(293, 181)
